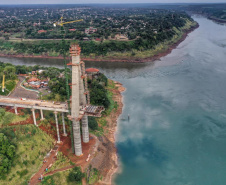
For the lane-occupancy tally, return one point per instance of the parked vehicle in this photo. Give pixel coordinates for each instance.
(56, 103)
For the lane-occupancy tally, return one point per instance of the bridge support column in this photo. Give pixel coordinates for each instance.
(65, 134)
(41, 111)
(34, 118)
(15, 108)
(57, 128)
(77, 138)
(75, 105)
(85, 129)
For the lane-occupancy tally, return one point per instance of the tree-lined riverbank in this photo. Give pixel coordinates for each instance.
(140, 50)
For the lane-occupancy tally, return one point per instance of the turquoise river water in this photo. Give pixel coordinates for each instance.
(176, 134)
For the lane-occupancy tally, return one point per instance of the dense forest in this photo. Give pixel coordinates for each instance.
(7, 152)
(92, 48)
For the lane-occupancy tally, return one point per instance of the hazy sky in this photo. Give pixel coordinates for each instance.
(104, 1)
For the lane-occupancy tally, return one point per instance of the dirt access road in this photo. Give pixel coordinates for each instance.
(48, 161)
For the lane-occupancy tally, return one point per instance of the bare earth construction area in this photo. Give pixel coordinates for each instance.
(100, 151)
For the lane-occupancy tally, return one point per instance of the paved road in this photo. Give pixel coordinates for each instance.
(20, 92)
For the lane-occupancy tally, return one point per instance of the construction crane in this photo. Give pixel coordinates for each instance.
(3, 83)
(61, 23)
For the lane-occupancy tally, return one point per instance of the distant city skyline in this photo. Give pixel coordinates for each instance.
(105, 2)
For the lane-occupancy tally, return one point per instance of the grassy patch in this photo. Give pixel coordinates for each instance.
(93, 177)
(12, 118)
(10, 85)
(102, 122)
(32, 145)
(58, 179)
(61, 162)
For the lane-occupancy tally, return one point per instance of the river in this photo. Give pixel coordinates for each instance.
(176, 133)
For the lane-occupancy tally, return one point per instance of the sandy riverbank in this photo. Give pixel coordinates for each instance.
(106, 159)
(112, 59)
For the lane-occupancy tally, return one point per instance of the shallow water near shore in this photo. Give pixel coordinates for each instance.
(176, 133)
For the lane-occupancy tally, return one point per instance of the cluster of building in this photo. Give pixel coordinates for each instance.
(36, 83)
(92, 73)
(44, 31)
(121, 37)
(90, 30)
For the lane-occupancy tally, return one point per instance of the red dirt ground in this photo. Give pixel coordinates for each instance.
(64, 147)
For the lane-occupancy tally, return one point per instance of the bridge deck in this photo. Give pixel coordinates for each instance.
(36, 104)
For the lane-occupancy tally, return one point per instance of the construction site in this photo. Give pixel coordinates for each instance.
(73, 140)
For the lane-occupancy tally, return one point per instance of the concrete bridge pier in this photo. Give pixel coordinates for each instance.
(34, 118)
(77, 138)
(57, 128)
(64, 129)
(41, 111)
(75, 55)
(85, 129)
(15, 108)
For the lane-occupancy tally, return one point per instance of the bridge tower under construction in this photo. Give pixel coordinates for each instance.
(78, 100)
(78, 110)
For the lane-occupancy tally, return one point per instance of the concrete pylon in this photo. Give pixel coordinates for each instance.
(15, 108)
(75, 54)
(65, 133)
(83, 102)
(41, 111)
(34, 118)
(57, 128)
(85, 129)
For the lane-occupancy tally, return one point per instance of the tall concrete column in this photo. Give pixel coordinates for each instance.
(34, 118)
(57, 128)
(77, 138)
(65, 134)
(15, 108)
(85, 129)
(41, 111)
(83, 102)
(75, 54)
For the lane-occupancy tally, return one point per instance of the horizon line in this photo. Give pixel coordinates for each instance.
(114, 3)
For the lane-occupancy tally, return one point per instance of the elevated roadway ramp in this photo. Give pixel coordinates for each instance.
(33, 104)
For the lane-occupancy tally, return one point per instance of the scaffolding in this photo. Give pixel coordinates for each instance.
(84, 76)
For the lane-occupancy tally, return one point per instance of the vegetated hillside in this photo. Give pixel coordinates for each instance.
(70, 177)
(147, 46)
(31, 145)
(28, 144)
(37, 22)
(10, 77)
(104, 32)
(7, 118)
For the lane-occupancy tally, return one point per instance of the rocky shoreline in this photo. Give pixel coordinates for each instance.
(110, 59)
